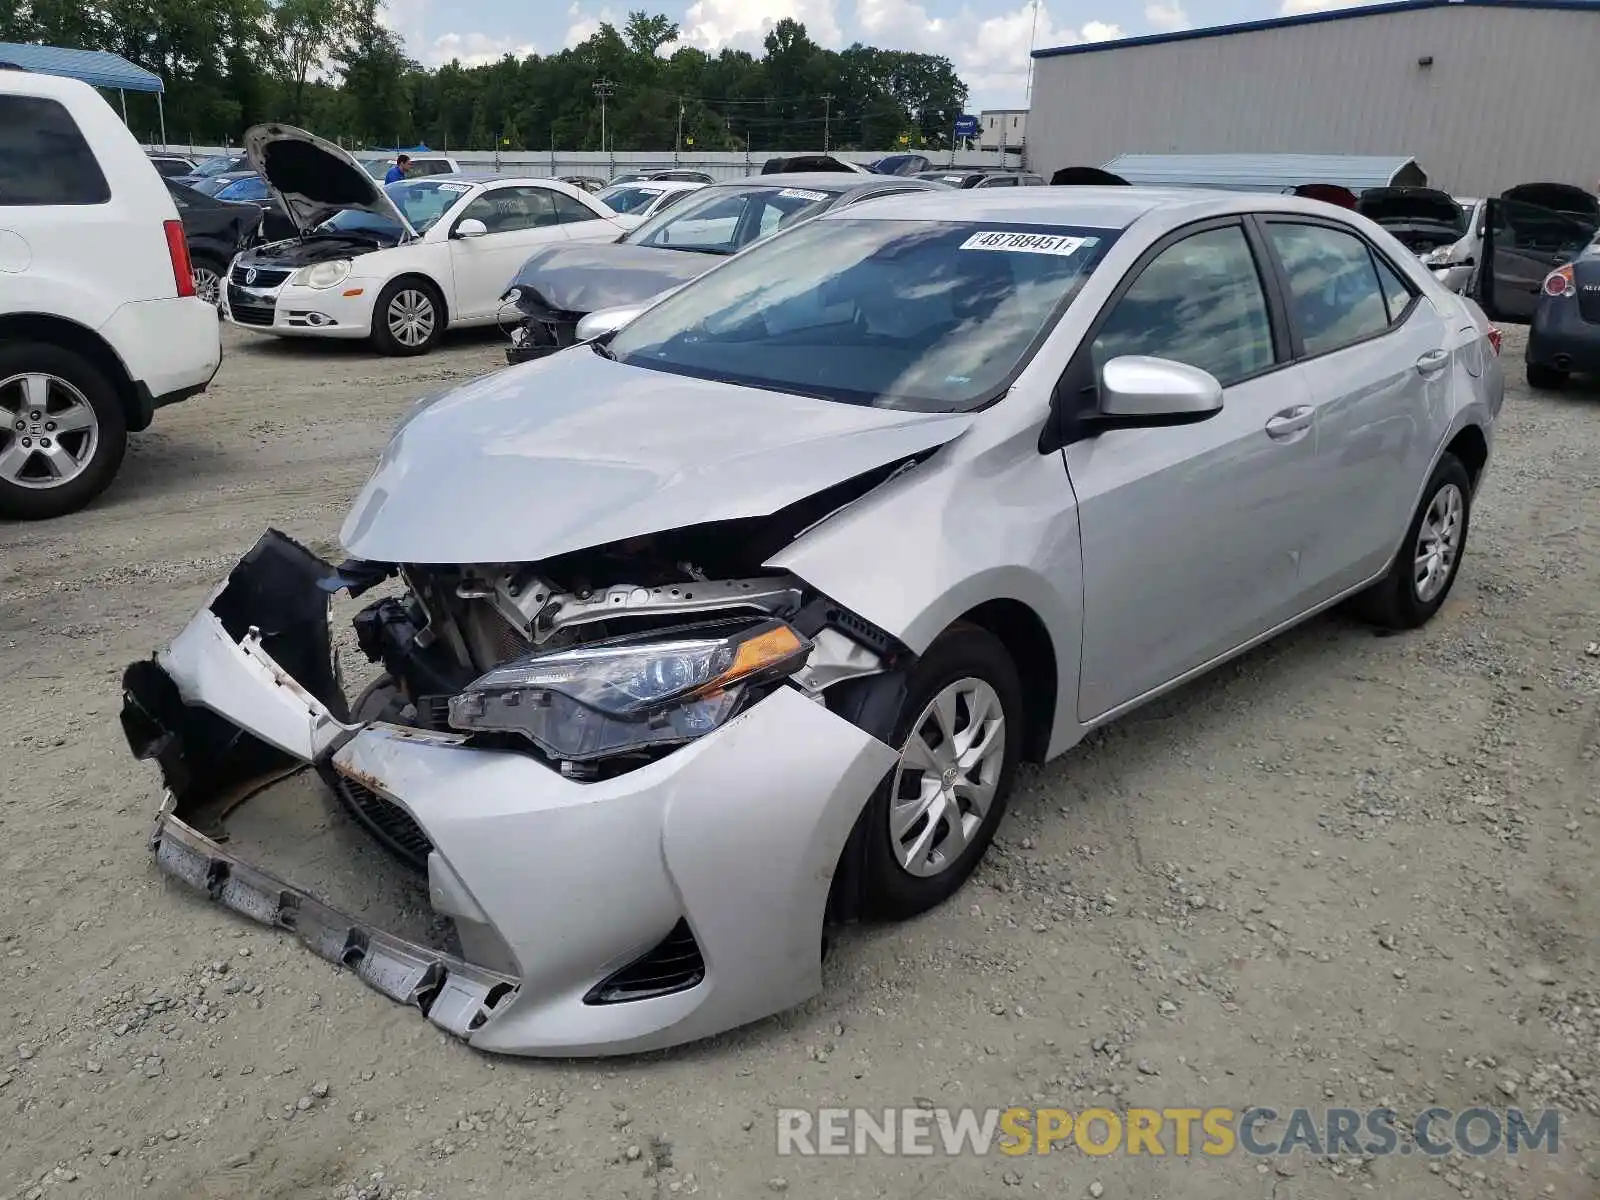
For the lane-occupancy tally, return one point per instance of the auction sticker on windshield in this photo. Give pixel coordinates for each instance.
(798, 194)
(1027, 243)
(455, 187)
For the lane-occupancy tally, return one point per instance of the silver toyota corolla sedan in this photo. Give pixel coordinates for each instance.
(691, 642)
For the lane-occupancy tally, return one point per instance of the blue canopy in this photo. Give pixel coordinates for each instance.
(96, 67)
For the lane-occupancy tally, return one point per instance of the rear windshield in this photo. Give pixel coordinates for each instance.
(627, 199)
(725, 220)
(931, 316)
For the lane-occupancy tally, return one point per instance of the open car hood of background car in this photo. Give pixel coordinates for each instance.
(1410, 206)
(574, 451)
(584, 278)
(316, 179)
(1559, 197)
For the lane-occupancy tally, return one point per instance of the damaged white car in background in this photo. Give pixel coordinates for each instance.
(735, 623)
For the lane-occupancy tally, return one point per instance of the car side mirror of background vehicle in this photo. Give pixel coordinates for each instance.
(1137, 390)
(471, 228)
(605, 321)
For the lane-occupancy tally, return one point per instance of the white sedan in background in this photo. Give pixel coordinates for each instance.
(636, 203)
(396, 264)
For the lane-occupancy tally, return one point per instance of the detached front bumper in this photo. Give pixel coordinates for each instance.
(666, 904)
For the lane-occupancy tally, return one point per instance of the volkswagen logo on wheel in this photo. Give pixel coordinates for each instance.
(250, 275)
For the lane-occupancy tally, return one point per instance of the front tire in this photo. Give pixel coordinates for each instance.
(63, 431)
(960, 733)
(1546, 379)
(408, 318)
(208, 280)
(1424, 571)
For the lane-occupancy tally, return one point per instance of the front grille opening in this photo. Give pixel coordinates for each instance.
(388, 822)
(675, 965)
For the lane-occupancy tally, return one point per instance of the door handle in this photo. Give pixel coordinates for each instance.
(1433, 360)
(1290, 421)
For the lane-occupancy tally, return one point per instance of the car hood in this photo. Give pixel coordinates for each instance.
(575, 450)
(1411, 206)
(314, 178)
(584, 277)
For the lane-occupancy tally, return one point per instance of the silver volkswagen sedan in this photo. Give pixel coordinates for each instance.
(695, 640)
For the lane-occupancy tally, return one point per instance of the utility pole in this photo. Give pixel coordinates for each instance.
(604, 89)
(1033, 36)
(680, 125)
(827, 120)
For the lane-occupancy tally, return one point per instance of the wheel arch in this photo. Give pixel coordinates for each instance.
(1472, 448)
(85, 342)
(1032, 651)
(419, 276)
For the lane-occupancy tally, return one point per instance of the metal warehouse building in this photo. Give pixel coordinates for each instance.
(1484, 94)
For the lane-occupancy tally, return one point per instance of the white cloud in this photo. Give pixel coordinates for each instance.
(1166, 16)
(475, 49)
(744, 24)
(993, 57)
(902, 25)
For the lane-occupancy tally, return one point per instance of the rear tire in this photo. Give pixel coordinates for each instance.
(1425, 569)
(46, 468)
(1546, 379)
(963, 794)
(409, 317)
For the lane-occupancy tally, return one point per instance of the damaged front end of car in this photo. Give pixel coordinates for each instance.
(624, 779)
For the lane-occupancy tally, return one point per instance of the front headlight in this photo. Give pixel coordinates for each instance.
(630, 693)
(323, 274)
(1438, 257)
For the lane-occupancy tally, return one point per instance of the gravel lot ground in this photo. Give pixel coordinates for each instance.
(1347, 870)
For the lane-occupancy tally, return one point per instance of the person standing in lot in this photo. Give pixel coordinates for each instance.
(397, 172)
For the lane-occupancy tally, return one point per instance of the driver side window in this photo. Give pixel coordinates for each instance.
(1200, 302)
(505, 210)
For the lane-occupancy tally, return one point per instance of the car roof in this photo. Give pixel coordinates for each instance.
(834, 182)
(1085, 207)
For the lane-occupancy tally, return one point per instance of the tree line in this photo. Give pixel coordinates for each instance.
(334, 67)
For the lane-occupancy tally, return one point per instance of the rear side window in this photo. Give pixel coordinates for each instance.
(1395, 290)
(44, 158)
(570, 211)
(1333, 285)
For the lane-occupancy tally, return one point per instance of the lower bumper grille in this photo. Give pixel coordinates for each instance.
(675, 965)
(247, 311)
(1589, 306)
(386, 821)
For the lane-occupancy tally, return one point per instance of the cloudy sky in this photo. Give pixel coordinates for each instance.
(987, 39)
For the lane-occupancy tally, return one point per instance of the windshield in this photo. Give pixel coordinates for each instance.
(932, 316)
(217, 166)
(423, 201)
(627, 199)
(724, 220)
(245, 189)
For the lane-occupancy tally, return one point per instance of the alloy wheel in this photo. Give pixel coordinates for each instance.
(48, 431)
(946, 779)
(207, 285)
(411, 317)
(1438, 543)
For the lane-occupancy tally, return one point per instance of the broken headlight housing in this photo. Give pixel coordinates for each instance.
(632, 693)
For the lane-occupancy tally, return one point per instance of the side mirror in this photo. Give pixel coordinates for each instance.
(606, 320)
(1136, 390)
(471, 228)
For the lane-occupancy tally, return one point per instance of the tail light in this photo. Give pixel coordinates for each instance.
(1494, 339)
(1560, 282)
(178, 251)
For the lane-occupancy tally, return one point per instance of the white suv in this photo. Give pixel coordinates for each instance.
(99, 323)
